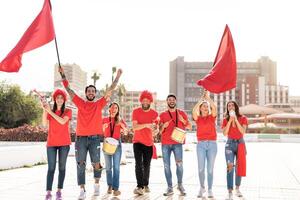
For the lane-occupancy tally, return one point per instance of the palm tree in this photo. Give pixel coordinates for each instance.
(95, 77)
(113, 69)
(121, 90)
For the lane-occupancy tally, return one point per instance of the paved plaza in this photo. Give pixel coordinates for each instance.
(273, 173)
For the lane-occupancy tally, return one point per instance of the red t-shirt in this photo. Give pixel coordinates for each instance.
(144, 135)
(89, 116)
(58, 134)
(234, 132)
(116, 128)
(206, 128)
(167, 132)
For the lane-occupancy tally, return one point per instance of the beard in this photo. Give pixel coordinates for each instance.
(145, 107)
(171, 105)
(90, 98)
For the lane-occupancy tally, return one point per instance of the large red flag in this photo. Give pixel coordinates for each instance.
(222, 76)
(39, 33)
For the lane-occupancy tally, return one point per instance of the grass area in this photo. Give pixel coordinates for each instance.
(268, 136)
(25, 166)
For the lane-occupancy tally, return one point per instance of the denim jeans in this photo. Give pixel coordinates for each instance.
(63, 152)
(166, 154)
(142, 156)
(112, 165)
(231, 148)
(83, 145)
(206, 152)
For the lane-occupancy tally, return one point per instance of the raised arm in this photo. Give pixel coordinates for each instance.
(211, 103)
(66, 82)
(115, 81)
(195, 112)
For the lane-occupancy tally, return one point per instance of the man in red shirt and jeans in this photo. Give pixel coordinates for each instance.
(89, 130)
(170, 119)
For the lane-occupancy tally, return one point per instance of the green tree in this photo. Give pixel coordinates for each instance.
(16, 108)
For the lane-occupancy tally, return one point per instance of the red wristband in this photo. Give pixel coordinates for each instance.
(65, 83)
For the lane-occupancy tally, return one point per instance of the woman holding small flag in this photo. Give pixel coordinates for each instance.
(58, 142)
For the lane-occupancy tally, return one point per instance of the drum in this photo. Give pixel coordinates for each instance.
(110, 145)
(178, 135)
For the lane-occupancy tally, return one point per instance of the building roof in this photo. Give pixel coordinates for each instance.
(253, 109)
(261, 125)
(284, 116)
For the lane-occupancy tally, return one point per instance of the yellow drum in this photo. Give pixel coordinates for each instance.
(178, 135)
(110, 145)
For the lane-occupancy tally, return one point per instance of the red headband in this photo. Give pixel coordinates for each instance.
(146, 95)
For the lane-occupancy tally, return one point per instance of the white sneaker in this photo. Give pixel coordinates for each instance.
(201, 192)
(230, 196)
(238, 193)
(97, 189)
(210, 194)
(82, 194)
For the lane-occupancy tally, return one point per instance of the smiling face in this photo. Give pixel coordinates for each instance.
(113, 110)
(90, 93)
(146, 104)
(59, 100)
(204, 110)
(171, 101)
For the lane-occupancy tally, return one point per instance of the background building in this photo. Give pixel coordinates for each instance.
(256, 84)
(76, 76)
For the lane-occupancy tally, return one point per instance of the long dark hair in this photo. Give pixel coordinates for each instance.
(117, 116)
(236, 108)
(62, 109)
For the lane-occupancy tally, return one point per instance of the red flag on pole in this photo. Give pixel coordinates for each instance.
(39, 33)
(222, 76)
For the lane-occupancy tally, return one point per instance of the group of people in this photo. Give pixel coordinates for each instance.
(146, 124)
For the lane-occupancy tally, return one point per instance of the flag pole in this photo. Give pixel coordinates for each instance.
(56, 47)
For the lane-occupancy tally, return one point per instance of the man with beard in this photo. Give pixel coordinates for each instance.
(89, 130)
(170, 119)
(144, 125)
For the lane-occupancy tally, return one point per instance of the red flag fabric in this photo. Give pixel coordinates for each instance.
(241, 160)
(39, 33)
(222, 76)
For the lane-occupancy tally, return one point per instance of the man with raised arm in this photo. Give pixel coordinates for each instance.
(89, 130)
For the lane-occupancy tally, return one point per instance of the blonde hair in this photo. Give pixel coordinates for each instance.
(208, 105)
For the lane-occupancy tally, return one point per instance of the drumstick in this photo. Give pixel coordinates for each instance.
(39, 94)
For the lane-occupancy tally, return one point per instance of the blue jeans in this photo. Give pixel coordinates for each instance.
(112, 165)
(206, 151)
(63, 152)
(84, 144)
(231, 148)
(166, 153)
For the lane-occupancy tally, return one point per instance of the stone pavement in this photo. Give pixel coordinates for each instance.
(273, 173)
